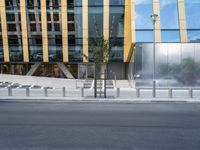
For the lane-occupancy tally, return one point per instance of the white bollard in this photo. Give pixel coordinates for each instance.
(64, 92)
(190, 93)
(45, 92)
(9, 91)
(170, 93)
(137, 93)
(82, 92)
(27, 91)
(118, 92)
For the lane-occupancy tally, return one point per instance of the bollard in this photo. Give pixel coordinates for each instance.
(170, 93)
(27, 91)
(190, 93)
(118, 92)
(82, 92)
(45, 92)
(9, 91)
(137, 93)
(64, 94)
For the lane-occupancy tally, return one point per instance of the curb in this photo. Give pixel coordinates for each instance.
(98, 100)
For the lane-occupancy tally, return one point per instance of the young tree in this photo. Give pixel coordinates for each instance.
(101, 54)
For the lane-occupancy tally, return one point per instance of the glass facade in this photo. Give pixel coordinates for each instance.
(75, 35)
(95, 23)
(116, 29)
(169, 21)
(143, 23)
(34, 26)
(53, 8)
(192, 20)
(14, 30)
(1, 45)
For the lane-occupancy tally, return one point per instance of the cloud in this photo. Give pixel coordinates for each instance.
(140, 2)
(164, 3)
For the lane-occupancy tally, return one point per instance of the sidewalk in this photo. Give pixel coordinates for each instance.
(127, 95)
(72, 94)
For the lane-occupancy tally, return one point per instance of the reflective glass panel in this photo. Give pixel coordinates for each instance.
(143, 11)
(116, 22)
(192, 14)
(95, 21)
(170, 36)
(144, 36)
(169, 14)
(116, 2)
(193, 36)
(95, 2)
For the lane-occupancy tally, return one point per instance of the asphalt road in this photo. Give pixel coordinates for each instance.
(98, 126)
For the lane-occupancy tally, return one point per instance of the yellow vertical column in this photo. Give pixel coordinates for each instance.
(106, 19)
(133, 21)
(129, 28)
(156, 10)
(182, 21)
(4, 31)
(24, 30)
(44, 31)
(85, 29)
(64, 30)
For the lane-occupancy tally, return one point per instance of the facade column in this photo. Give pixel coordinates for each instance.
(4, 31)
(24, 30)
(106, 19)
(64, 30)
(129, 28)
(44, 31)
(85, 29)
(156, 10)
(182, 21)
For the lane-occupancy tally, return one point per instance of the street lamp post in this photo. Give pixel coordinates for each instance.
(154, 18)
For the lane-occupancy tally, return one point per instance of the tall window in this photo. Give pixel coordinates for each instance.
(95, 22)
(1, 45)
(54, 29)
(14, 30)
(169, 21)
(34, 30)
(75, 36)
(192, 18)
(144, 27)
(116, 28)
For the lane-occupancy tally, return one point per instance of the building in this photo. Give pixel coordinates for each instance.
(43, 37)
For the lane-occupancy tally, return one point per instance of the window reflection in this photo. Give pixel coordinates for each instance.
(169, 14)
(116, 31)
(75, 31)
(192, 14)
(193, 36)
(143, 11)
(14, 30)
(34, 30)
(95, 27)
(1, 45)
(170, 36)
(144, 27)
(144, 36)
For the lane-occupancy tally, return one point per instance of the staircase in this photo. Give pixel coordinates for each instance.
(88, 84)
(101, 86)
